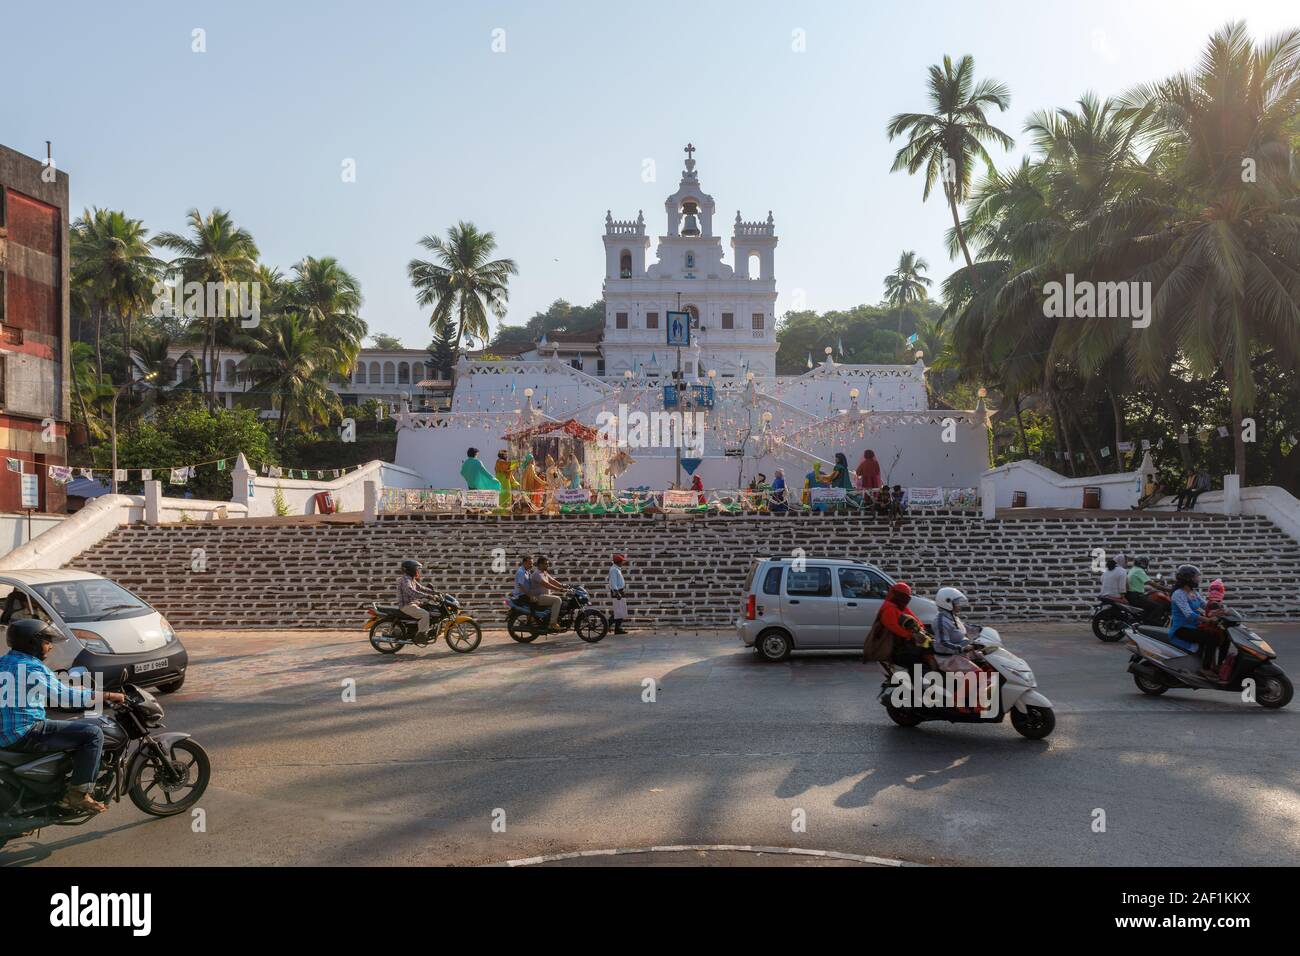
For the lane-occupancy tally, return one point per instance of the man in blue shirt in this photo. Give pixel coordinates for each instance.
(23, 726)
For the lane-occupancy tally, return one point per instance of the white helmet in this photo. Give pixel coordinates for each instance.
(950, 599)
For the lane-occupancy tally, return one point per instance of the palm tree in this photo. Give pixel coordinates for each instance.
(1220, 246)
(905, 286)
(293, 363)
(329, 297)
(947, 141)
(462, 283)
(214, 251)
(115, 270)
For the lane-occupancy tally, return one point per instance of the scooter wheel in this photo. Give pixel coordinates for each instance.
(1273, 691)
(1034, 722)
(904, 718)
(517, 629)
(1149, 686)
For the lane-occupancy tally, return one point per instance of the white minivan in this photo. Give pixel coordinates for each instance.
(110, 631)
(814, 604)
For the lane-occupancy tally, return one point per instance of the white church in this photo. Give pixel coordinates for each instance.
(755, 420)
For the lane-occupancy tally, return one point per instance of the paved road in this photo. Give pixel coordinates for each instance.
(556, 737)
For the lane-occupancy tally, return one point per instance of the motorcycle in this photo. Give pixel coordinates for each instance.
(391, 630)
(1157, 664)
(1009, 689)
(525, 622)
(1112, 617)
(163, 773)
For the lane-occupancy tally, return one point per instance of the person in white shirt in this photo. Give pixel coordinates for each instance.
(617, 591)
(1114, 581)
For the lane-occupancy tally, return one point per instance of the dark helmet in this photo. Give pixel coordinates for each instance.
(1143, 562)
(29, 635)
(409, 567)
(1187, 574)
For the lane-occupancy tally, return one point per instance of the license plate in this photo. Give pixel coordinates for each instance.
(151, 666)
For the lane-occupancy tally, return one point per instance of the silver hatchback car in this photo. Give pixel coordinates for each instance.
(816, 604)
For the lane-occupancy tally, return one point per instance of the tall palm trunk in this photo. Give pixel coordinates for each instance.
(951, 195)
(99, 354)
(1020, 426)
(1238, 440)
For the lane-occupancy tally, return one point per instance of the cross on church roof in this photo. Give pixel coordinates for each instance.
(690, 151)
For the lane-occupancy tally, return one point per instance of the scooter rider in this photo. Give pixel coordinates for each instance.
(911, 644)
(950, 639)
(1186, 604)
(23, 725)
(410, 593)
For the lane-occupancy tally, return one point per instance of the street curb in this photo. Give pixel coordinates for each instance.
(696, 847)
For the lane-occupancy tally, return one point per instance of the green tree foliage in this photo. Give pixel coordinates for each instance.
(185, 432)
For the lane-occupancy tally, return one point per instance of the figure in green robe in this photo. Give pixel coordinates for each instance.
(477, 478)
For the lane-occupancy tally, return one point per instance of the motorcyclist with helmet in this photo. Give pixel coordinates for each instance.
(23, 724)
(411, 593)
(1186, 605)
(1140, 586)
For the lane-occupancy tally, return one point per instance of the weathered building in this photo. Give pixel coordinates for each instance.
(34, 333)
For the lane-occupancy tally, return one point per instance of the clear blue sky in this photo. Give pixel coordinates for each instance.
(537, 142)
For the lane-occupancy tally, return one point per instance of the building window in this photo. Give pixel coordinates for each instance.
(4, 368)
(690, 260)
(11, 335)
(620, 320)
(404, 374)
(625, 265)
(757, 319)
(374, 373)
(600, 367)
(390, 373)
(728, 320)
(359, 375)
(652, 320)
(2, 282)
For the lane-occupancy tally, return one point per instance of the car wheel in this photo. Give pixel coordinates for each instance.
(774, 646)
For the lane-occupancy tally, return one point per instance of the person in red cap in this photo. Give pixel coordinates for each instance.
(910, 639)
(617, 591)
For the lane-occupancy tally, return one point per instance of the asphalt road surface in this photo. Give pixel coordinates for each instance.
(517, 752)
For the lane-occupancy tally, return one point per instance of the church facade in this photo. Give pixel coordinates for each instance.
(732, 306)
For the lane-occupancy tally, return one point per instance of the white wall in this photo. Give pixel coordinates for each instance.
(1045, 488)
(300, 494)
(1268, 501)
(16, 531)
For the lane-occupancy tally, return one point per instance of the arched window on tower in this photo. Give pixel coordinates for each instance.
(625, 265)
(753, 266)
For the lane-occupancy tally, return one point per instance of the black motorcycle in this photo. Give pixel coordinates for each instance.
(1111, 617)
(526, 621)
(391, 630)
(163, 773)
(1157, 664)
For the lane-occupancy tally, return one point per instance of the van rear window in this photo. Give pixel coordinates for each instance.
(772, 582)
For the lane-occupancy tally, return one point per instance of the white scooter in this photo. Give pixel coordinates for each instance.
(1003, 685)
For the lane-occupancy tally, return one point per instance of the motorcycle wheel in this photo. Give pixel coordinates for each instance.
(518, 629)
(464, 636)
(591, 626)
(1109, 628)
(156, 797)
(904, 718)
(385, 636)
(1034, 723)
(1149, 686)
(1273, 691)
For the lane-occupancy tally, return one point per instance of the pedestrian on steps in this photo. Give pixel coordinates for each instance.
(618, 592)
